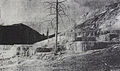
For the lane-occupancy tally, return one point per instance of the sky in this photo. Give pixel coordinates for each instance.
(17, 11)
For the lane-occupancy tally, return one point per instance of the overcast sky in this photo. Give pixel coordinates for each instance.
(17, 11)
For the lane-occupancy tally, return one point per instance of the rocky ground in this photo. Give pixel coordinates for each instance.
(94, 60)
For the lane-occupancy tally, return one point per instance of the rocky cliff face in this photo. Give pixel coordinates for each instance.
(107, 18)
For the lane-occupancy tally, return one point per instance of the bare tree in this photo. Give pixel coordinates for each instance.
(57, 11)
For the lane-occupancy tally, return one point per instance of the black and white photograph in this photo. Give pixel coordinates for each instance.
(59, 35)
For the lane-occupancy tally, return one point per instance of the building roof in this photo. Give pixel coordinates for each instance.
(19, 34)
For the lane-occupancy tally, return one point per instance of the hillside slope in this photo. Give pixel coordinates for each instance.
(106, 19)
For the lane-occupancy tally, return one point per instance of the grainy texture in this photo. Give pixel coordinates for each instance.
(59, 35)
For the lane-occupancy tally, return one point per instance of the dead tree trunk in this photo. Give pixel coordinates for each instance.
(56, 30)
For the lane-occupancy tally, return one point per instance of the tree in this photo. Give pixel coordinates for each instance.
(57, 10)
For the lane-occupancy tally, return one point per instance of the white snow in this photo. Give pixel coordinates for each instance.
(9, 53)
